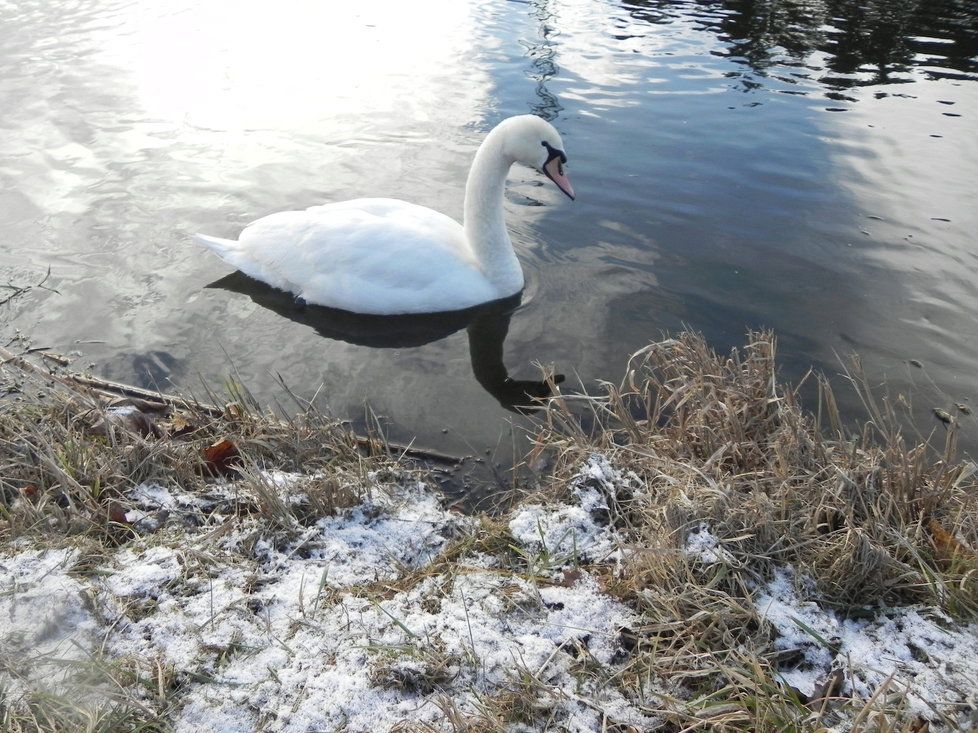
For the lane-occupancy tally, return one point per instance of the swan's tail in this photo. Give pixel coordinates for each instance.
(224, 248)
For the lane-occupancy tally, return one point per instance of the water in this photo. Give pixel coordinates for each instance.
(807, 166)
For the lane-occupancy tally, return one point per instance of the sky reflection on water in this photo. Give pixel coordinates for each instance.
(804, 165)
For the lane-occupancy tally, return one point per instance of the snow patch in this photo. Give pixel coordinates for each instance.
(577, 531)
(45, 625)
(329, 625)
(929, 655)
(364, 665)
(567, 534)
(704, 546)
(274, 637)
(143, 573)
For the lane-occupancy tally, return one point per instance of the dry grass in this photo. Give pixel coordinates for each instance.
(717, 440)
(706, 439)
(67, 464)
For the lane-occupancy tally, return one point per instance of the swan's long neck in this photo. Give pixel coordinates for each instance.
(485, 226)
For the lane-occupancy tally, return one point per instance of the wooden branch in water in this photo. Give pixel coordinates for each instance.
(119, 389)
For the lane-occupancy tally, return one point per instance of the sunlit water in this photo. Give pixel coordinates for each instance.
(807, 166)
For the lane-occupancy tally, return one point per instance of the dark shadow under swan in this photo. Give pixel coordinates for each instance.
(487, 326)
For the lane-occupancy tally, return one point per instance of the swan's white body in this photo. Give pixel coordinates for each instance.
(366, 255)
(386, 257)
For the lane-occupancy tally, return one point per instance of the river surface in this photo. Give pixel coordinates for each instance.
(808, 166)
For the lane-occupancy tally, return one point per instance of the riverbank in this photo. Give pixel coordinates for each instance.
(704, 554)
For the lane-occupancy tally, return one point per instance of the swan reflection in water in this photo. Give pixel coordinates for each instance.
(487, 326)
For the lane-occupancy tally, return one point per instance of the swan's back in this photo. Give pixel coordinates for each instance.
(380, 256)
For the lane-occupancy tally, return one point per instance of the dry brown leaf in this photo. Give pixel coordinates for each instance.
(117, 513)
(946, 543)
(221, 456)
(180, 425)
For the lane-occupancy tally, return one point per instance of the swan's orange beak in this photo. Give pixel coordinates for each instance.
(554, 170)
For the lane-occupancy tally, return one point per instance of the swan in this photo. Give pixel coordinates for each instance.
(380, 256)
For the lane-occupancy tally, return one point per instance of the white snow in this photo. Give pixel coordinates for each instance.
(289, 648)
(928, 655)
(346, 624)
(573, 532)
(703, 545)
(44, 624)
(364, 665)
(563, 534)
(143, 573)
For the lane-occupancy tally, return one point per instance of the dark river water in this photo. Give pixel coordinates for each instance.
(809, 166)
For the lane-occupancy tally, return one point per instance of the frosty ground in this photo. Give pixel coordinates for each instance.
(707, 556)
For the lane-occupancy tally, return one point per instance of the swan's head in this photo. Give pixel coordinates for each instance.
(534, 142)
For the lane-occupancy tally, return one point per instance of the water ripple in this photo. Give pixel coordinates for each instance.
(728, 156)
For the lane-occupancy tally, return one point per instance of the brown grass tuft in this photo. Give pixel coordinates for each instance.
(717, 439)
(67, 464)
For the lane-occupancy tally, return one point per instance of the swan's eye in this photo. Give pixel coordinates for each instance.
(552, 153)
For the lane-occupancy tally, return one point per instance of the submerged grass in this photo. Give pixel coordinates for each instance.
(723, 480)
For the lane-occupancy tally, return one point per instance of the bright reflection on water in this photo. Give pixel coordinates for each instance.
(805, 165)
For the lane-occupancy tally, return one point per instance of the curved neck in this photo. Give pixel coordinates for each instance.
(485, 225)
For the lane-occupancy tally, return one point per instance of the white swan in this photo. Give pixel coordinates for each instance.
(386, 257)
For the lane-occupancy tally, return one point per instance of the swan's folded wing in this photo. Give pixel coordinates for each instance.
(368, 255)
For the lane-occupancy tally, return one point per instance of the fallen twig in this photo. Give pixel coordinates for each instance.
(21, 289)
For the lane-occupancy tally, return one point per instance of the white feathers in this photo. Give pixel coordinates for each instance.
(384, 256)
